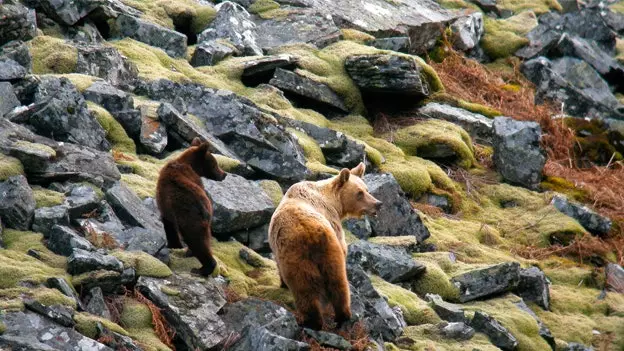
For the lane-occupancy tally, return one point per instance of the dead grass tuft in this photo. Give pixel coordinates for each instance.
(161, 328)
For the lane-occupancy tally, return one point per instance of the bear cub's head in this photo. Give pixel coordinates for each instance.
(205, 164)
(353, 193)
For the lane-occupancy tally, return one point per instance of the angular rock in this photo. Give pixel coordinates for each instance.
(211, 52)
(518, 155)
(97, 305)
(82, 261)
(241, 125)
(265, 66)
(63, 240)
(63, 115)
(67, 11)
(390, 263)
(60, 314)
(297, 25)
(260, 339)
(17, 51)
(16, 22)
(153, 135)
(329, 339)
(534, 286)
(109, 97)
(107, 63)
(442, 202)
(447, 311)
(457, 331)
(589, 219)
(9, 100)
(131, 209)
(11, 70)
(17, 203)
(573, 346)
(63, 286)
(467, 31)
(478, 126)
(398, 44)
(487, 6)
(30, 331)
(487, 281)
(239, 204)
(172, 42)
(144, 239)
(575, 84)
(361, 228)
(47, 217)
(256, 239)
(615, 278)
(234, 24)
(81, 200)
(193, 312)
(115, 340)
(256, 313)
(303, 87)
(387, 74)
(369, 306)
(499, 335)
(110, 282)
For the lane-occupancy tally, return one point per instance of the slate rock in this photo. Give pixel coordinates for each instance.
(442, 202)
(487, 6)
(256, 313)
(147, 240)
(60, 314)
(387, 74)
(64, 116)
(63, 286)
(367, 305)
(320, 94)
(82, 199)
(534, 287)
(298, 25)
(31, 331)
(9, 99)
(115, 340)
(586, 217)
(573, 346)
(390, 263)
(19, 52)
(111, 282)
(82, 261)
(68, 12)
(107, 63)
(193, 312)
(16, 22)
(457, 330)
(487, 281)
(109, 97)
(11, 70)
(499, 335)
(239, 204)
(615, 278)
(329, 339)
(256, 239)
(478, 126)
(518, 155)
(263, 68)
(47, 217)
(361, 228)
(211, 52)
(17, 203)
(97, 305)
(153, 135)
(467, 31)
(260, 339)
(398, 44)
(130, 209)
(172, 42)
(234, 24)
(449, 312)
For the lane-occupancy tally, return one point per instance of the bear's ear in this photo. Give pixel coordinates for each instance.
(359, 170)
(196, 141)
(343, 177)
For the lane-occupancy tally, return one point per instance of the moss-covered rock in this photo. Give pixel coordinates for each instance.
(469, 106)
(115, 133)
(538, 7)
(415, 310)
(169, 13)
(427, 337)
(504, 37)
(17, 244)
(227, 164)
(136, 318)
(46, 197)
(260, 6)
(143, 263)
(9, 167)
(356, 35)
(86, 324)
(52, 55)
(81, 81)
(273, 189)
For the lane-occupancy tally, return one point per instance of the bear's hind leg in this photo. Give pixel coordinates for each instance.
(309, 306)
(334, 271)
(173, 237)
(197, 236)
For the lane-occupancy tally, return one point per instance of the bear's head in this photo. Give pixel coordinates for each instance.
(353, 193)
(204, 163)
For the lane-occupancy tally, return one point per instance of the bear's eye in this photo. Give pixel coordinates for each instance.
(360, 195)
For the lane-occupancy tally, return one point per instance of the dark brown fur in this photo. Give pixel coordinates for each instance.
(185, 208)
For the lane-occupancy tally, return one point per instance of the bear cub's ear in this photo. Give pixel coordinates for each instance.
(359, 170)
(343, 177)
(196, 141)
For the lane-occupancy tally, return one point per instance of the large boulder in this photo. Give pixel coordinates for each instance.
(467, 31)
(239, 204)
(478, 126)
(234, 24)
(17, 203)
(63, 240)
(499, 335)
(172, 42)
(518, 155)
(109, 97)
(107, 63)
(488, 281)
(386, 73)
(318, 94)
(390, 263)
(16, 22)
(256, 313)
(615, 278)
(586, 217)
(261, 339)
(192, 311)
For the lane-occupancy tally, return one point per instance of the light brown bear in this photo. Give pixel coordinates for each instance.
(306, 237)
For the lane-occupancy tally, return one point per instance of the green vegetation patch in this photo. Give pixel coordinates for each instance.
(538, 7)
(502, 38)
(115, 133)
(82, 82)
(47, 198)
(144, 263)
(52, 55)
(17, 244)
(86, 324)
(260, 6)
(356, 35)
(469, 106)
(227, 164)
(167, 13)
(9, 167)
(427, 337)
(136, 318)
(415, 310)
(273, 189)
(35, 147)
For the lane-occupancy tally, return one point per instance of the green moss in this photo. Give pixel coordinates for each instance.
(52, 55)
(427, 337)
(469, 106)
(403, 241)
(9, 167)
(311, 149)
(18, 243)
(17, 267)
(273, 189)
(49, 297)
(144, 263)
(100, 275)
(227, 164)
(145, 173)
(169, 291)
(356, 35)
(142, 187)
(538, 7)
(39, 148)
(458, 5)
(564, 186)
(318, 169)
(435, 281)
(12, 298)
(502, 38)
(47, 198)
(276, 14)
(167, 12)
(81, 81)
(2, 328)
(86, 324)
(619, 49)
(415, 311)
(115, 133)
(428, 136)
(260, 6)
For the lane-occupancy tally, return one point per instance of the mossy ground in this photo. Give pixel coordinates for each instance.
(144, 264)
(86, 324)
(426, 337)
(81, 81)
(356, 35)
(167, 12)
(539, 7)
(136, 318)
(260, 6)
(9, 167)
(46, 197)
(504, 37)
(52, 55)
(115, 133)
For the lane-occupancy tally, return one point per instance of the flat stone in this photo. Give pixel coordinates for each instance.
(387, 74)
(615, 278)
(586, 217)
(487, 281)
(63, 286)
(109, 97)
(17, 203)
(304, 87)
(82, 261)
(60, 314)
(260, 339)
(534, 287)
(447, 311)
(111, 282)
(81, 200)
(398, 44)
(130, 209)
(256, 313)
(172, 42)
(47, 217)
(266, 65)
(329, 339)
(390, 263)
(478, 126)
(499, 335)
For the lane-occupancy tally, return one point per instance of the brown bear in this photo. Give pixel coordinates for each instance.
(306, 237)
(184, 206)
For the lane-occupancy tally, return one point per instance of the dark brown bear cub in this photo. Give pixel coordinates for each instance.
(184, 206)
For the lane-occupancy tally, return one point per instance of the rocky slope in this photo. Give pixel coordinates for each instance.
(97, 95)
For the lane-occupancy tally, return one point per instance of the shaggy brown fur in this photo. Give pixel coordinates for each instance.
(184, 206)
(307, 240)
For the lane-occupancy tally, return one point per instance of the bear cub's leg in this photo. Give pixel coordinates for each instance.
(173, 237)
(197, 235)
